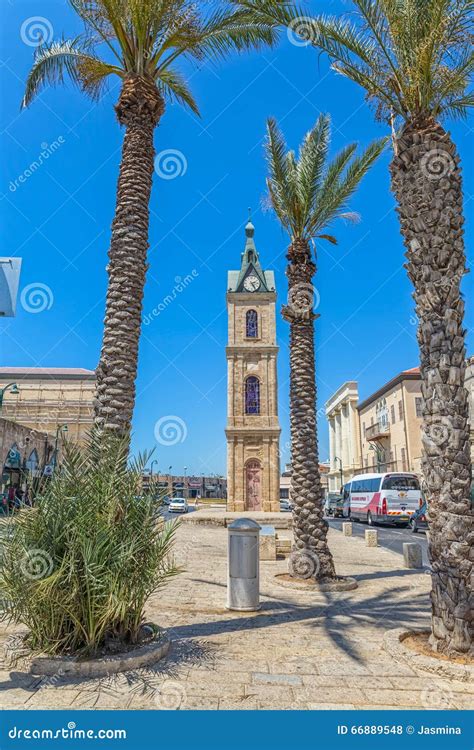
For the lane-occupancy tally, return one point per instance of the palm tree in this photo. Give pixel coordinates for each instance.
(139, 41)
(414, 60)
(308, 193)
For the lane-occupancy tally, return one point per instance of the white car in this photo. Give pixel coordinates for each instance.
(178, 505)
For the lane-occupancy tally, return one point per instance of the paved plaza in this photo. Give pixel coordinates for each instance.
(301, 650)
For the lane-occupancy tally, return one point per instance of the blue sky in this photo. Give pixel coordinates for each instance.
(58, 220)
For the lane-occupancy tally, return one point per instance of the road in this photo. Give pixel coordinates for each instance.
(390, 537)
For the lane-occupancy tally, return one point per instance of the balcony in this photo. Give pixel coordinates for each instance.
(377, 431)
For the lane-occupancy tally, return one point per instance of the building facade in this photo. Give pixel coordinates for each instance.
(24, 454)
(189, 487)
(344, 443)
(390, 425)
(49, 398)
(380, 434)
(253, 430)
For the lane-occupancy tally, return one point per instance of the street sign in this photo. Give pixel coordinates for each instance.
(9, 281)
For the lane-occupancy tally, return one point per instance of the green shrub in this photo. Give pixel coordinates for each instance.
(79, 567)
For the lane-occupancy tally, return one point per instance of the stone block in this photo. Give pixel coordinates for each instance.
(267, 543)
(347, 528)
(371, 538)
(412, 555)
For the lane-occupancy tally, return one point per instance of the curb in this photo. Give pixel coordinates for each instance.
(346, 584)
(393, 644)
(139, 657)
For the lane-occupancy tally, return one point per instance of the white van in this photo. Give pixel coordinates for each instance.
(389, 498)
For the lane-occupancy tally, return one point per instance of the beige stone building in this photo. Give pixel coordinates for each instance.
(253, 430)
(390, 425)
(24, 453)
(50, 397)
(383, 433)
(344, 441)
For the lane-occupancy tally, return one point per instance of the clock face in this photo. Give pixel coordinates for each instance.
(252, 283)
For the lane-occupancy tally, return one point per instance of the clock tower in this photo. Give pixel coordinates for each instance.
(253, 430)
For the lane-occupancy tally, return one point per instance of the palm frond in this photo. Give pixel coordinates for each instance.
(173, 86)
(70, 57)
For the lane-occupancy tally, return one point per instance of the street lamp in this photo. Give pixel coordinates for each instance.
(151, 468)
(185, 487)
(336, 458)
(61, 428)
(12, 387)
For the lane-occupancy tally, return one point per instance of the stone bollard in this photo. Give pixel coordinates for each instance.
(347, 529)
(371, 538)
(412, 555)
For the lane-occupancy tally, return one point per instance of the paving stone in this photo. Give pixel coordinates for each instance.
(300, 651)
(276, 679)
(329, 695)
(53, 697)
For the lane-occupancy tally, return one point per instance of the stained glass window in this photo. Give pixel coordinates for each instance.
(252, 395)
(251, 324)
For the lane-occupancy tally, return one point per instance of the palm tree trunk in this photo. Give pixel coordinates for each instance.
(426, 180)
(311, 556)
(139, 108)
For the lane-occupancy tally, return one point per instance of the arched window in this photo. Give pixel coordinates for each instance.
(252, 395)
(251, 324)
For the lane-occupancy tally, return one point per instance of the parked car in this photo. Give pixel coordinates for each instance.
(178, 505)
(285, 505)
(333, 504)
(418, 519)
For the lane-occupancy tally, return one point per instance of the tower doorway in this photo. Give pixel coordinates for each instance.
(253, 485)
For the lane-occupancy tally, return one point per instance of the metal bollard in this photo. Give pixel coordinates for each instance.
(347, 529)
(243, 584)
(371, 538)
(412, 555)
